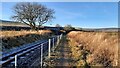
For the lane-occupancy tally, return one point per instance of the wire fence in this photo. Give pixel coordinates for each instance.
(26, 56)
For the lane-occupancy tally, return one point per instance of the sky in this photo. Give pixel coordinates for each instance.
(78, 14)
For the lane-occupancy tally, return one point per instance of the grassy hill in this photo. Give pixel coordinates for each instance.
(14, 23)
(11, 23)
(99, 29)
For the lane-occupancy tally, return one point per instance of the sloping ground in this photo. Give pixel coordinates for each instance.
(96, 48)
(12, 23)
(12, 39)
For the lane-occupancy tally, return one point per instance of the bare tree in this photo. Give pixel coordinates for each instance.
(32, 13)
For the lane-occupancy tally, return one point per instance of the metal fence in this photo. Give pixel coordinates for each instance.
(26, 56)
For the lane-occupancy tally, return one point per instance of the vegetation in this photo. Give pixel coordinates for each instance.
(11, 39)
(68, 28)
(61, 56)
(94, 48)
(30, 13)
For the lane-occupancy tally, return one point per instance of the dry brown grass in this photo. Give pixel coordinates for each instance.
(11, 39)
(101, 46)
(22, 32)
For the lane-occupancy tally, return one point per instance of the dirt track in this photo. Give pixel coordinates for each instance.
(62, 55)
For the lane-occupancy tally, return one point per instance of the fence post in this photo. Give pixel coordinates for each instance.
(53, 44)
(49, 48)
(57, 39)
(41, 54)
(61, 36)
(15, 61)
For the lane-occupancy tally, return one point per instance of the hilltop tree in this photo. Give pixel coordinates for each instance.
(32, 13)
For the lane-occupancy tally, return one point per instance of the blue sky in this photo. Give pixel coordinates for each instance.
(78, 14)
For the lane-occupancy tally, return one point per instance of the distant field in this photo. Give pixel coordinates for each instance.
(97, 48)
(12, 24)
(99, 29)
(18, 24)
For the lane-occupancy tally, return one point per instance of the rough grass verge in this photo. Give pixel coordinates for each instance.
(102, 47)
